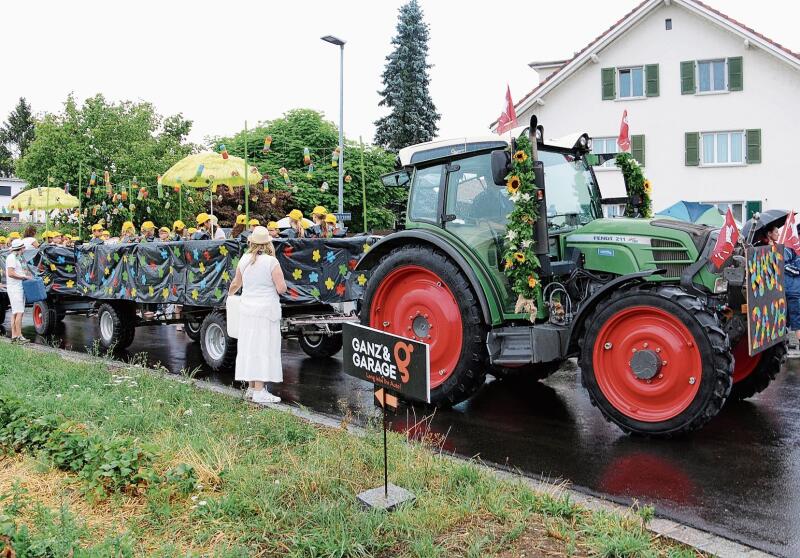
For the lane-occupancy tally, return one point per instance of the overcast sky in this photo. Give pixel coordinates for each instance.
(221, 63)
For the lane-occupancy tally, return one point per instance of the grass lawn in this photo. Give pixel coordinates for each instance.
(134, 464)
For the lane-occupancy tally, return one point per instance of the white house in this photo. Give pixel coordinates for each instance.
(9, 187)
(713, 106)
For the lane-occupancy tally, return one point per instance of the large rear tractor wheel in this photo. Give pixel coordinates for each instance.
(117, 325)
(219, 350)
(752, 375)
(320, 345)
(655, 361)
(45, 318)
(419, 293)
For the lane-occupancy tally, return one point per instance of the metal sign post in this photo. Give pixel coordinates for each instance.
(396, 365)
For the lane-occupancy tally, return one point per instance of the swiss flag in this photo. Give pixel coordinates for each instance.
(788, 236)
(624, 140)
(508, 118)
(726, 241)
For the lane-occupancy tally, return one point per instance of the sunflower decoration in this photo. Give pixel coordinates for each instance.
(513, 184)
(521, 264)
(648, 187)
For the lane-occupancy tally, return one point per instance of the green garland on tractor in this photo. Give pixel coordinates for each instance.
(521, 263)
(636, 185)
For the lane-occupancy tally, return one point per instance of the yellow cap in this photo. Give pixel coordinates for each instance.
(178, 225)
(54, 234)
(319, 210)
(253, 222)
(191, 230)
(128, 226)
(241, 219)
(164, 229)
(3, 240)
(272, 225)
(148, 225)
(13, 235)
(202, 218)
(295, 214)
(106, 233)
(330, 218)
(97, 227)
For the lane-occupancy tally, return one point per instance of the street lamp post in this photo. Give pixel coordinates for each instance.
(340, 43)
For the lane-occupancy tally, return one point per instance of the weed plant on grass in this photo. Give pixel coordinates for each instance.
(266, 483)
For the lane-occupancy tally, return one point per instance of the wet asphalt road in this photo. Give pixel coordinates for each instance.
(738, 477)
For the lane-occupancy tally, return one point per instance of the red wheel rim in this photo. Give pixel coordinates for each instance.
(410, 296)
(646, 328)
(744, 364)
(37, 315)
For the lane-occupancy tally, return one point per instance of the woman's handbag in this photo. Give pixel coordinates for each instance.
(232, 305)
(34, 290)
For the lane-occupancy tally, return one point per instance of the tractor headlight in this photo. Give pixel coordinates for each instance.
(720, 285)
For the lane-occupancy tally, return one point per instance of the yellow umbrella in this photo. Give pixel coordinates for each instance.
(208, 169)
(44, 199)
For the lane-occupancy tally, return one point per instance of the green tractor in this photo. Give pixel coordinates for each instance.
(660, 339)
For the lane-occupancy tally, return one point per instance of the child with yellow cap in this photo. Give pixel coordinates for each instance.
(148, 231)
(178, 230)
(163, 234)
(253, 223)
(272, 228)
(239, 226)
(128, 233)
(296, 227)
(318, 217)
(97, 234)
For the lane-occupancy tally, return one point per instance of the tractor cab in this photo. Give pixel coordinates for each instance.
(458, 190)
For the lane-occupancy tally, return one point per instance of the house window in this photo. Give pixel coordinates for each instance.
(722, 148)
(711, 76)
(737, 208)
(631, 82)
(605, 145)
(668, 24)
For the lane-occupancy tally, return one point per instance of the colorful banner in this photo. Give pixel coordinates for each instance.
(766, 301)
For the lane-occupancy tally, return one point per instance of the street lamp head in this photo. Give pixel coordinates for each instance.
(333, 40)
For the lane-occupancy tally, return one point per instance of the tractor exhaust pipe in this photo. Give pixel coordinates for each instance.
(542, 240)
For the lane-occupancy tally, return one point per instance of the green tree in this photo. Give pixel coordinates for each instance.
(305, 128)
(16, 134)
(130, 140)
(412, 118)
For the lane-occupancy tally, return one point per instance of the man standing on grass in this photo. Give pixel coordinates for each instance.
(15, 274)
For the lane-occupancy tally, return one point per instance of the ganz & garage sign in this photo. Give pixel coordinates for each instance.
(400, 365)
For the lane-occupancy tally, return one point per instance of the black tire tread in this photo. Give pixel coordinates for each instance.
(723, 359)
(329, 346)
(124, 318)
(228, 360)
(767, 370)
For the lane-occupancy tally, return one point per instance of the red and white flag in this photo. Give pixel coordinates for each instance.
(726, 241)
(788, 236)
(624, 139)
(508, 118)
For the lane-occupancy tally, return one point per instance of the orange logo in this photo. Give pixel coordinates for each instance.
(402, 363)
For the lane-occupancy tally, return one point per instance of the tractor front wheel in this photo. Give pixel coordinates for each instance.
(655, 361)
(419, 293)
(752, 374)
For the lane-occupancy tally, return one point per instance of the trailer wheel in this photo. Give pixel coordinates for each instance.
(192, 327)
(219, 350)
(752, 375)
(320, 346)
(656, 361)
(418, 292)
(117, 325)
(45, 318)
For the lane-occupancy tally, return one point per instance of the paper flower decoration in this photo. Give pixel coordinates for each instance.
(223, 151)
(306, 156)
(267, 144)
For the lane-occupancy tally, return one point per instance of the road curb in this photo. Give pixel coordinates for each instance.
(704, 541)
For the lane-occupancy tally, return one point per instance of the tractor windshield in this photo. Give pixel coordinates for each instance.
(570, 190)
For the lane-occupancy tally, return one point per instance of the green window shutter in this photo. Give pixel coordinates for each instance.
(692, 151)
(651, 79)
(687, 78)
(637, 148)
(735, 74)
(609, 83)
(752, 207)
(753, 146)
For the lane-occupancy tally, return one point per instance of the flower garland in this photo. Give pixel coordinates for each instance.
(636, 185)
(521, 264)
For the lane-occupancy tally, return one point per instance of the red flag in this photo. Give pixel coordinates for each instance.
(726, 241)
(788, 236)
(508, 118)
(624, 140)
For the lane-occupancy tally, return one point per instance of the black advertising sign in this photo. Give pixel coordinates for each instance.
(400, 365)
(766, 300)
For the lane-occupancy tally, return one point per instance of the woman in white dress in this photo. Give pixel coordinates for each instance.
(258, 358)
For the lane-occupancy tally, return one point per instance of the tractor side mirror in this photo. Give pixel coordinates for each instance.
(501, 166)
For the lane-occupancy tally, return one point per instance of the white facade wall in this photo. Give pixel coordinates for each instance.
(9, 187)
(770, 101)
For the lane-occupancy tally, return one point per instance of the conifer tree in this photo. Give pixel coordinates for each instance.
(412, 117)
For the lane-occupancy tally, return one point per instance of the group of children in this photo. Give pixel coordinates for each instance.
(321, 225)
